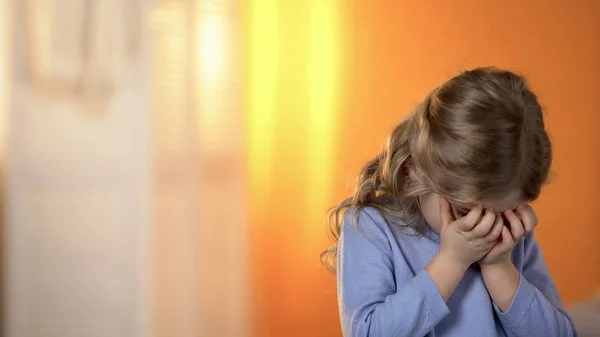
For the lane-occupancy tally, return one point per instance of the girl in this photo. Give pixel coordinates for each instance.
(437, 238)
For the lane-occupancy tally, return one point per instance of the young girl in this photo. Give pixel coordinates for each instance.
(437, 238)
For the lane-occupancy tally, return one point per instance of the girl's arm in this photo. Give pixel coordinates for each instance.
(378, 300)
(536, 308)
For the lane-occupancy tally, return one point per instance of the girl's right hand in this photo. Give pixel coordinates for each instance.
(467, 240)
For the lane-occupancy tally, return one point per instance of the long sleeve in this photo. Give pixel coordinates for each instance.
(536, 309)
(374, 298)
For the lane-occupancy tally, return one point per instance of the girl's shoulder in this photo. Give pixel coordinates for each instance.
(367, 218)
(372, 222)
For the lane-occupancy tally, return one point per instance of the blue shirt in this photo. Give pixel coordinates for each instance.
(383, 289)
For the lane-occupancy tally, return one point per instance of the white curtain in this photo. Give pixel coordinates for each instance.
(200, 230)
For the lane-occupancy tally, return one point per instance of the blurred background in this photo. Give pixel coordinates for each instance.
(167, 164)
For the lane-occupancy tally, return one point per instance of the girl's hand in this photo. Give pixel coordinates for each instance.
(522, 222)
(468, 239)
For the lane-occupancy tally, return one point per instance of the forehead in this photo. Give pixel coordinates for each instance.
(502, 204)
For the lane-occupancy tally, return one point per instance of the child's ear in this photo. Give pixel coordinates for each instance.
(412, 169)
(410, 166)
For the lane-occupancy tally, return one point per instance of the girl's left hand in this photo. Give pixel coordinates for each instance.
(522, 222)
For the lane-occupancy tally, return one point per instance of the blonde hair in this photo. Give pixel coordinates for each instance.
(478, 136)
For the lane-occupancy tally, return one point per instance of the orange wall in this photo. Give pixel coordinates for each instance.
(389, 54)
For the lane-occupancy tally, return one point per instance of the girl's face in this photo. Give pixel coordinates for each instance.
(430, 205)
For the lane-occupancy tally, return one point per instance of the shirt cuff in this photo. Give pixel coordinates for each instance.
(432, 298)
(520, 305)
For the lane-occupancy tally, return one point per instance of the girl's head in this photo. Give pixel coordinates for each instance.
(479, 138)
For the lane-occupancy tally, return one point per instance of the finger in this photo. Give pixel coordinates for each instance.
(484, 226)
(506, 239)
(496, 230)
(528, 217)
(446, 215)
(468, 221)
(516, 226)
